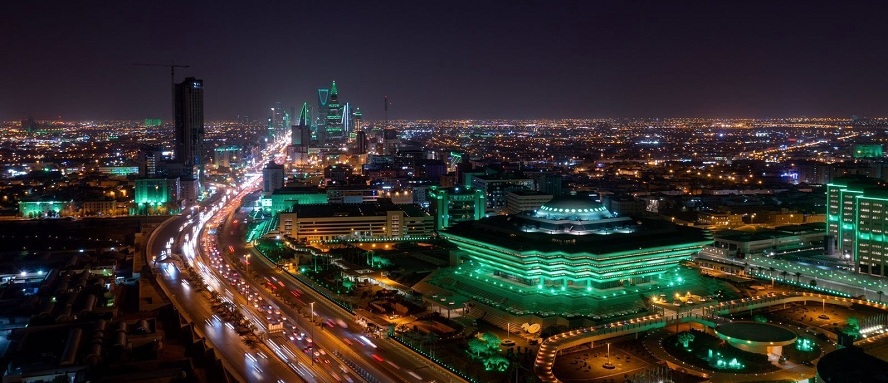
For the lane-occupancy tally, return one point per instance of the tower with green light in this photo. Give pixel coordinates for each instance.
(333, 128)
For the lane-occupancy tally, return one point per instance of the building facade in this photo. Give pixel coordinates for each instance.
(455, 204)
(573, 243)
(189, 124)
(366, 221)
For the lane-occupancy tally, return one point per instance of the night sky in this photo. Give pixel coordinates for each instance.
(449, 59)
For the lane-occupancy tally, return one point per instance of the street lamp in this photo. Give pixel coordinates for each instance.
(247, 261)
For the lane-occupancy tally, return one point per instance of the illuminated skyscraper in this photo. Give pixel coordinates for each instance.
(333, 129)
(190, 125)
(346, 120)
(357, 120)
(321, 116)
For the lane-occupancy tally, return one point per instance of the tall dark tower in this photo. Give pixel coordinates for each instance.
(301, 132)
(190, 125)
(333, 129)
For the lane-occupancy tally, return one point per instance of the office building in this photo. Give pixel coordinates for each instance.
(455, 204)
(333, 128)
(518, 201)
(365, 221)
(190, 125)
(495, 188)
(272, 178)
(573, 243)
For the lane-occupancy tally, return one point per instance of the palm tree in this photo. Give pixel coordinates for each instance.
(798, 276)
(880, 296)
(783, 275)
(771, 271)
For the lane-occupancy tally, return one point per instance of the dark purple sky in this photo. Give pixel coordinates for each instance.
(449, 59)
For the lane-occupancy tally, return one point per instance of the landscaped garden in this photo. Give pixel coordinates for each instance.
(711, 353)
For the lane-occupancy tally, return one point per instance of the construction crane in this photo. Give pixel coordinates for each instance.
(172, 65)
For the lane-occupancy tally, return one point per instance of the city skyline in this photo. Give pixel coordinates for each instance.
(450, 61)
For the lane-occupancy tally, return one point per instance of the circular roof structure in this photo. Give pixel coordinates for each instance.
(755, 332)
(573, 208)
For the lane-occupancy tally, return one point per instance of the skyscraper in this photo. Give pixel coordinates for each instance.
(333, 130)
(301, 132)
(323, 99)
(190, 125)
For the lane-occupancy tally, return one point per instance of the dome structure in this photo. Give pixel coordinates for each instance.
(573, 209)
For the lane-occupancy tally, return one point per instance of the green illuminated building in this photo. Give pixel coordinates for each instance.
(334, 129)
(284, 199)
(455, 204)
(156, 196)
(575, 244)
(44, 209)
(866, 151)
(571, 259)
(856, 216)
(152, 122)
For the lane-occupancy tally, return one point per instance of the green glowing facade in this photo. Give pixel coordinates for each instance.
(285, 198)
(572, 244)
(156, 191)
(44, 209)
(152, 122)
(857, 212)
(866, 151)
(457, 204)
(334, 129)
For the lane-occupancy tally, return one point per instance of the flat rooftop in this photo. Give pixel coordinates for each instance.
(367, 209)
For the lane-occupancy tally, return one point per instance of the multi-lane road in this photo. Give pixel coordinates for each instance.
(241, 360)
(333, 348)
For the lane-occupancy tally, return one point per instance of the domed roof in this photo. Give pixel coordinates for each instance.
(572, 205)
(573, 208)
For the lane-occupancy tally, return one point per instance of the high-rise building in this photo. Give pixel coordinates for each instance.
(321, 115)
(272, 178)
(360, 142)
(190, 125)
(301, 132)
(333, 130)
(857, 209)
(357, 120)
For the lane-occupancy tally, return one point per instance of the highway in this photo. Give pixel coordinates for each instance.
(241, 359)
(334, 349)
(337, 330)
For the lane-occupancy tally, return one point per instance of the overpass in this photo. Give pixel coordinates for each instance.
(708, 315)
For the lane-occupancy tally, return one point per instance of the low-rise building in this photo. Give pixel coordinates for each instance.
(370, 220)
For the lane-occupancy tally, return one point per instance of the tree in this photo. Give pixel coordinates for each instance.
(760, 318)
(478, 347)
(685, 338)
(880, 296)
(496, 363)
(798, 276)
(493, 341)
(813, 282)
(852, 327)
